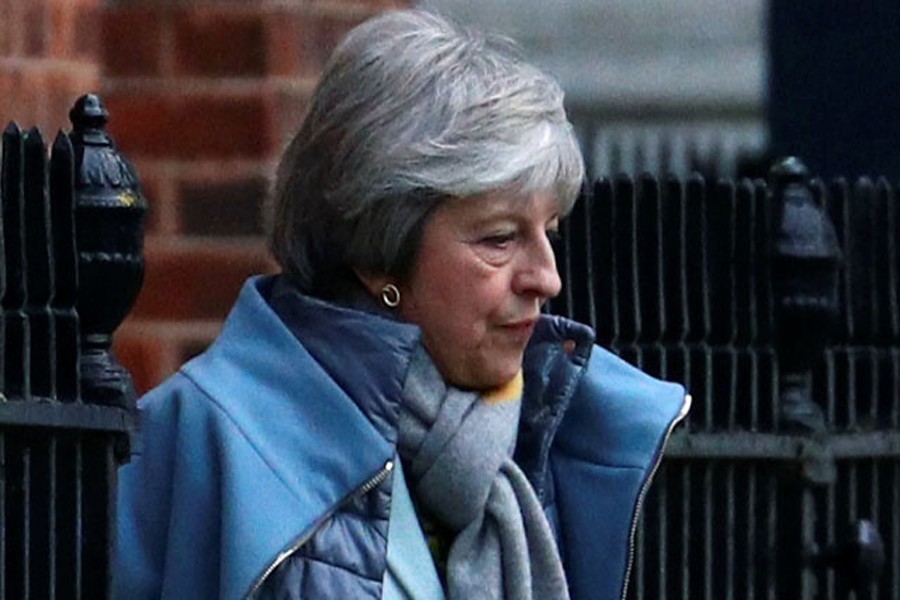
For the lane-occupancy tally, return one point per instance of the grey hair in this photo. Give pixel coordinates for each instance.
(410, 110)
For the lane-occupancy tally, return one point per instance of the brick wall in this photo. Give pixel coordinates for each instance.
(203, 95)
(48, 57)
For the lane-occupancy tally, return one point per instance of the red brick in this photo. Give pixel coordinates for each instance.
(13, 12)
(62, 88)
(191, 127)
(198, 282)
(5, 27)
(290, 108)
(151, 188)
(212, 44)
(87, 32)
(131, 41)
(23, 98)
(36, 27)
(300, 44)
(229, 206)
(62, 26)
(149, 359)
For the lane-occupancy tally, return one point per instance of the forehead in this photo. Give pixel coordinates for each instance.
(504, 204)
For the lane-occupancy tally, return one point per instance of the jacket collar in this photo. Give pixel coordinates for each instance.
(288, 411)
(554, 363)
(365, 353)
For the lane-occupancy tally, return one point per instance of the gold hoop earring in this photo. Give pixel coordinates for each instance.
(390, 295)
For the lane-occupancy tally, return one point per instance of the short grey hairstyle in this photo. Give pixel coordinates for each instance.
(410, 110)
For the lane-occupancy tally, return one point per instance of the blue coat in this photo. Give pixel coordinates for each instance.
(251, 446)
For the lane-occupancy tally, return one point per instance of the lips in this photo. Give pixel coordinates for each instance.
(525, 326)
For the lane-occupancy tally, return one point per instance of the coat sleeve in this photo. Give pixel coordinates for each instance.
(167, 540)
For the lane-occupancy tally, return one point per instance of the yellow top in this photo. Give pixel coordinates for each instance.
(511, 390)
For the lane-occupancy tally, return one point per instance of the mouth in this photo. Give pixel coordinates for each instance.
(525, 326)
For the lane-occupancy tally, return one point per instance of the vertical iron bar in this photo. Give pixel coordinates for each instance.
(606, 283)
(729, 532)
(4, 481)
(4, 265)
(708, 532)
(733, 388)
(630, 302)
(686, 504)
(16, 368)
(762, 269)
(893, 223)
(808, 541)
(663, 536)
(895, 532)
(649, 260)
(745, 258)
(39, 524)
(860, 260)
(830, 537)
(79, 517)
(69, 541)
(873, 509)
(62, 209)
(771, 537)
(51, 508)
(26, 519)
(773, 396)
(696, 259)
(674, 279)
(39, 274)
(886, 276)
(871, 260)
(586, 229)
(830, 387)
(895, 388)
(874, 384)
(720, 228)
(710, 376)
(839, 210)
(755, 374)
(751, 532)
(852, 386)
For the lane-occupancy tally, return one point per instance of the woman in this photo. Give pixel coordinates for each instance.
(392, 416)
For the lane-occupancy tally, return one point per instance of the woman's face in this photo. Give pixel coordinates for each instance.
(485, 266)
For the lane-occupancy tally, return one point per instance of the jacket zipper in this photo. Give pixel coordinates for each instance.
(365, 488)
(685, 407)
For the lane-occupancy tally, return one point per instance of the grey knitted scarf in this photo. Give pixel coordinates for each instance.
(457, 449)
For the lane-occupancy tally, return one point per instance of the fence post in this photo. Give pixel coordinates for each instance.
(109, 217)
(65, 423)
(805, 262)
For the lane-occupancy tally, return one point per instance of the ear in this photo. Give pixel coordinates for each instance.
(372, 282)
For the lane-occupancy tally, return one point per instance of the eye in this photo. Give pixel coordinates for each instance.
(499, 240)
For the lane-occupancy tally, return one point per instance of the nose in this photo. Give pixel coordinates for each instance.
(537, 275)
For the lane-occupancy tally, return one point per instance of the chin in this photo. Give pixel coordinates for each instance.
(495, 378)
(481, 372)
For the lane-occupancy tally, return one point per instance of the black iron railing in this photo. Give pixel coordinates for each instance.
(70, 250)
(777, 306)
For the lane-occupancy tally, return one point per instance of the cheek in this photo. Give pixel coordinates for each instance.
(453, 313)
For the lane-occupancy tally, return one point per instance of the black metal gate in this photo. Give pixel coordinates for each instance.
(70, 267)
(778, 306)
